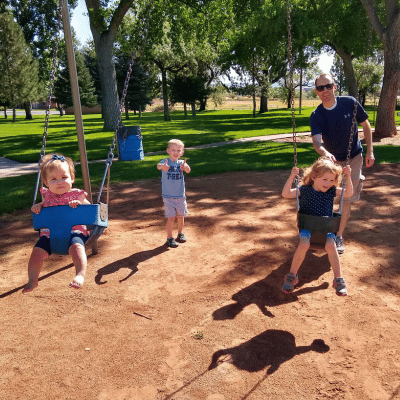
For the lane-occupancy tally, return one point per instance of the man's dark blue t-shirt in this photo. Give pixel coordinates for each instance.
(335, 125)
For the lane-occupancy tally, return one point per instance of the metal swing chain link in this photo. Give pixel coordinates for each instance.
(49, 96)
(290, 48)
(110, 155)
(52, 77)
(352, 133)
(289, 25)
(121, 106)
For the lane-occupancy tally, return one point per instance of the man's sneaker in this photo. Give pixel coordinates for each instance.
(340, 285)
(171, 243)
(291, 281)
(181, 238)
(339, 245)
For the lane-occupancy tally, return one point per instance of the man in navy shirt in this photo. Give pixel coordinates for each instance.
(331, 124)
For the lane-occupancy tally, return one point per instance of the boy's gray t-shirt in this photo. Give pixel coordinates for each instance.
(173, 181)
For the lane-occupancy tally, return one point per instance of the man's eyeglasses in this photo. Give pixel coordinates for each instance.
(321, 88)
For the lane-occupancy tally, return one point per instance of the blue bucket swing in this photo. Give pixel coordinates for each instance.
(318, 226)
(60, 219)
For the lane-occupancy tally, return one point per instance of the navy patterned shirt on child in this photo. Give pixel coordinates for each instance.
(313, 202)
(173, 180)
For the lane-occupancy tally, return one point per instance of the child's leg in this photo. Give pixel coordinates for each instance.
(181, 223)
(333, 256)
(300, 253)
(34, 267)
(78, 255)
(170, 225)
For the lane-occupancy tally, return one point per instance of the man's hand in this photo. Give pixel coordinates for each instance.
(369, 159)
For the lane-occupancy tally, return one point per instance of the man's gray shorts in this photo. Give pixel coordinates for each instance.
(357, 177)
(175, 206)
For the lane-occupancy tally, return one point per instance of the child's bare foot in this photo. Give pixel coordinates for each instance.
(29, 287)
(77, 282)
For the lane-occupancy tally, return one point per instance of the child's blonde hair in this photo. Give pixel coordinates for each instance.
(52, 161)
(177, 142)
(319, 168)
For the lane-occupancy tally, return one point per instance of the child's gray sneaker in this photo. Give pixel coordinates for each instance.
(181, 238)
(340, 285)
(291, 280)
(339, 244)
(171, 243)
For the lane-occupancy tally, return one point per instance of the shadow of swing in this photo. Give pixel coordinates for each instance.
(270, 348)
(129, 263)
(267, 293)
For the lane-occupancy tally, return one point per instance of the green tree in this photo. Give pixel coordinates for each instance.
(344, 27)
(62, 84)
(139, 87)
(368, 74)
(385, 19)
(38, 20)
(18, 71)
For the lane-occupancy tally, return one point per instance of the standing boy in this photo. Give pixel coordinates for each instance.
(173, 189)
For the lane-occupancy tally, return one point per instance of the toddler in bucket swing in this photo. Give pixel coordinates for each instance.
(318, 188)
(58, 174)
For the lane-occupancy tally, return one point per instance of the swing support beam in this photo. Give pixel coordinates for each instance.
(77, 104)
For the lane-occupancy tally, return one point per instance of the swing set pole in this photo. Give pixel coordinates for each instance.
(77, 105)
(76, 98)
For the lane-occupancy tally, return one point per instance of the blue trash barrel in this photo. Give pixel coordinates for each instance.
(130, 143)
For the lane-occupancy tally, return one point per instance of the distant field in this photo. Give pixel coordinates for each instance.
(237, 103)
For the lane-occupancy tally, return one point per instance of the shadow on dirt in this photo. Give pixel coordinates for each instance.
(266, 292)
(129, 263)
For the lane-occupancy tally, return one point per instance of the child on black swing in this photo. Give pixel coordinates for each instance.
(319, 186)
(58, 174)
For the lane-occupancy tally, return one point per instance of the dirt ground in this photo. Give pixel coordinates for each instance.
(207, 321)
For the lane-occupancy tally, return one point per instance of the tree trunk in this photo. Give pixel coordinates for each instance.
(5, 112)
(28, 110)
(263, 104)
(385, 122)
(185, 109)
(126, 113)
(390, 37)
(301, 89)
(203, 103)
(108, 81)
(348, 71)
(140, 110)
(60, 108)
(167, 117)
(194, 109)
(14, 114)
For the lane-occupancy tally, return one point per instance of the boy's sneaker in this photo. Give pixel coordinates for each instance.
(181, 238)
(171, 243)
(340, 285)
(339, 244)
(291, 281)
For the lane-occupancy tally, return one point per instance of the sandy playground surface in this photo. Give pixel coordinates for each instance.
(207, 321)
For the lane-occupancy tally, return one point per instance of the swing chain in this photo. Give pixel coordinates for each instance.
(48, 100)
(52, 77)
(289, 25)
(353, 131)
(121, 106)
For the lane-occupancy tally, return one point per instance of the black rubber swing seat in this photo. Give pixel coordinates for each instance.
(319, 227)
(60, 220)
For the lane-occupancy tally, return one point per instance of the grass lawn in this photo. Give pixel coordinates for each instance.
(22, 140)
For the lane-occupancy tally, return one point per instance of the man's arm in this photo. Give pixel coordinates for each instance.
(320, 149)
(369, 157)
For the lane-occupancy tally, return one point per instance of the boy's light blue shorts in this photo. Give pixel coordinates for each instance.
(175, 206)
(307, 234)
